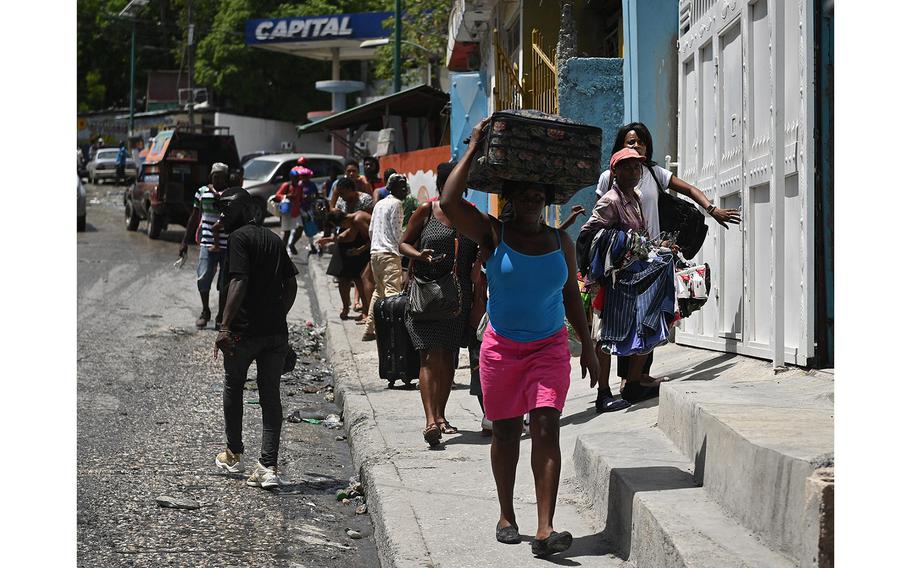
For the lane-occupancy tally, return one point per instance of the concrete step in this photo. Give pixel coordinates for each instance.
(643, 490)
(755, 444)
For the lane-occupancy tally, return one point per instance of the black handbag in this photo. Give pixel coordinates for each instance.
(434, 300)
(681, 217)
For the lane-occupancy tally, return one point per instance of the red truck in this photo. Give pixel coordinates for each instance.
(178, 163)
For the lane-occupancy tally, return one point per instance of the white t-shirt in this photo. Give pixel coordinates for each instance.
(386, 225)
(648, 192)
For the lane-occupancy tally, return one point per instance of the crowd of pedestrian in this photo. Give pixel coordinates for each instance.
(511, 290)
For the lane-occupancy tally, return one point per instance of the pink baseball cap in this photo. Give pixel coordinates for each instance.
(625, 154)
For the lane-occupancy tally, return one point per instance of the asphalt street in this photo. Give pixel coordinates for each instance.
(150, 423)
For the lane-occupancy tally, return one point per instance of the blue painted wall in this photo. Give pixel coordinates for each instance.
(468, 95)
(590, 91)
(651, 29)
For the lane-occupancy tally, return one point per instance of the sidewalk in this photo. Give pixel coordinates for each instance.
(439, 508)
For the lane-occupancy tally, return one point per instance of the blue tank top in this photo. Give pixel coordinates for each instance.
(525, 302)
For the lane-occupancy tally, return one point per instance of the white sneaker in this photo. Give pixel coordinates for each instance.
(486, 423)
(264, 477)
(229, 461)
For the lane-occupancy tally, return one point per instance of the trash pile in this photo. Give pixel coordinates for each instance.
(331, 421)
(353, 495)
(311, 375)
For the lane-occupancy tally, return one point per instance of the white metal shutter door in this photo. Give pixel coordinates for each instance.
(765, 168)
(730, 181)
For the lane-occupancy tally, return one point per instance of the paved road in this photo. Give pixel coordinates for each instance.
(150, 424)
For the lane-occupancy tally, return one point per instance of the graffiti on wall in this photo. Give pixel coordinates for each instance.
(419, 167)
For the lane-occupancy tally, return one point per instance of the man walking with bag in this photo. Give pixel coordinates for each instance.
(385, 259)
(261, 288)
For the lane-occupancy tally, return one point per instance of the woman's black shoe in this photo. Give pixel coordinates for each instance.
(507, 534)
(556, 542)
(634, 392)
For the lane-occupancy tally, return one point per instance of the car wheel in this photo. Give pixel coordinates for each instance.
(156, 224)
(258, 208)
(80, 223)
(132, 219)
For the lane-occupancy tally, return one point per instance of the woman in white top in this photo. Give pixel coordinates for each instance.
(635, 135)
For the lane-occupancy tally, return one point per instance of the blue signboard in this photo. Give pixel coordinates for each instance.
(365, 25)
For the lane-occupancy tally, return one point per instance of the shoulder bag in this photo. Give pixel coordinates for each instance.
(439, 299)
(681, 217)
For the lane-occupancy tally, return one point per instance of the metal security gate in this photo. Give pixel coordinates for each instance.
(745, 138)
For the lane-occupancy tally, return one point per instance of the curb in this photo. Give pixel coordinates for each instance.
(397, 533)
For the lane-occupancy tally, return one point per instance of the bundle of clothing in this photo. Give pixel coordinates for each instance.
(639, 287)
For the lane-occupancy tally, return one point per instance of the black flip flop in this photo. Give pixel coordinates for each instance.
(507, 534)
(556, 542)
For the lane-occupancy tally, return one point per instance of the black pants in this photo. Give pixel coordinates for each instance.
(269, 353)
(622, 367)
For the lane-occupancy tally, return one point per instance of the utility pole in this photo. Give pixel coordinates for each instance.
(131, 13)
(132, 77)
(190, 48)
(397, 63)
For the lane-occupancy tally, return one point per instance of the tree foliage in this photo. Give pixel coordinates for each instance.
(103, 50)
(242, 79)
(255, 81)
(425, 23)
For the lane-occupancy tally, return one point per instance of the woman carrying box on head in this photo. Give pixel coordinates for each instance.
(532, 290)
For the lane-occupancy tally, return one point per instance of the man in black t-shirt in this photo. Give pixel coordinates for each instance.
(261, 288)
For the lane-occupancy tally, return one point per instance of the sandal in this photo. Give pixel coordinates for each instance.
(432, 435)
(446, 427)
(556, 542)
(635, 392)
(507, 534)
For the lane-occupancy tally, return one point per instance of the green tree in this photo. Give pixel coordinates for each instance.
(266, 83)
(425, 23)
(103, 50)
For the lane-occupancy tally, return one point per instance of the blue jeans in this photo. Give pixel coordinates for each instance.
(209, 264)
(269, 353)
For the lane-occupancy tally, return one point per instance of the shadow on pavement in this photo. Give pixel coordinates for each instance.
(710, 369)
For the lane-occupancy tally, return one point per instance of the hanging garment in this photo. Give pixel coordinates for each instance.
(640, 303)
(693, 284)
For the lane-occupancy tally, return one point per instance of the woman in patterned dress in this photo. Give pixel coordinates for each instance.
(430, 242)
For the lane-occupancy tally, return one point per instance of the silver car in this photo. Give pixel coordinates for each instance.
(263, 176)
(104, 166)
(80, 205)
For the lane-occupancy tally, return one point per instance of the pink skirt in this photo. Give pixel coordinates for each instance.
(517, 377)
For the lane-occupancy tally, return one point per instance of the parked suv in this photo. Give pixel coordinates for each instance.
(178, 163)
(263, 175)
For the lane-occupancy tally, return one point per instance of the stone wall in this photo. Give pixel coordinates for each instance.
(590, 91)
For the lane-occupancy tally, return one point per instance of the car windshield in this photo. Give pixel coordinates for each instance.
(259, 170)
(106, 155)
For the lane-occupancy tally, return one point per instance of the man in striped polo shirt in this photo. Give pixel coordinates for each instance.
(212, 242)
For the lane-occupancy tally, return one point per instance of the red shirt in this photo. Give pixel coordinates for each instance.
(294, 193)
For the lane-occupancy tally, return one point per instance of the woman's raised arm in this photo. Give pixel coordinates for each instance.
(467, 219)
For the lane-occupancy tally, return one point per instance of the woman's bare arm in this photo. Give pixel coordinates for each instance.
(575, 311)
(467, 219)
(722, 216)
(412, 234)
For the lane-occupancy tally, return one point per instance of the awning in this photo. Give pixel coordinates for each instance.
(420, 101)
